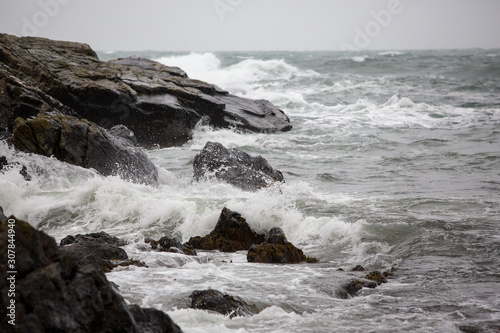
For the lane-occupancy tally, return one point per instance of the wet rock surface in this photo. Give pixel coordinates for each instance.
(277, 249)
(216, 301)
(99, 249)
(234, 167)
(231, 233)
(152, 320)
(160, 104)
(167, 244)
(56, 294)
(83, 143)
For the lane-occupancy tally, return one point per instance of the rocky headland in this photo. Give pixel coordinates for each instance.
(57, 99)
(160, 104)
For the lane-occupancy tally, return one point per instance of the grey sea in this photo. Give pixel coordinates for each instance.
(393, 162)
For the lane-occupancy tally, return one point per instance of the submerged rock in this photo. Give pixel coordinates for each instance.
(358, 268)
(99, 249)
(55, 294)
(160, 104)
(376, 276)
(216, 301)
(234, 167)
(352, 287)
(85, 144)
(277, 249)
(5, 165)
(2, 216)
(232, 233)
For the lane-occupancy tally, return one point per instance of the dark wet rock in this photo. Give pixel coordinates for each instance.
(2, 216)
(480, 328)
(160, 104)
(4, 165)
(358, 268)
(168, 244)
(123, 132)
(232, 233)
(376, 276)
(234, 167)
(352, 287)
(152, 242)
(216, 301)
(99, 249)
(276, 236)
(153, 320)
(100, 237)
(55, 294)
(85, 144)
(277, 249)
(390, 273)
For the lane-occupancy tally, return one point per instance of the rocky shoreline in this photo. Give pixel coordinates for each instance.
(57, 99)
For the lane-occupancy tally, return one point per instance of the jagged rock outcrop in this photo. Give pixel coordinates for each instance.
(54, 294)
(234, 167)
(277, 249)
(99, 249)
(83, 143)
(231, 233)
(160, 104)
(214, 300)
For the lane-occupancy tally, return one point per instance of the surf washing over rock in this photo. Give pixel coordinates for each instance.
(391, 165)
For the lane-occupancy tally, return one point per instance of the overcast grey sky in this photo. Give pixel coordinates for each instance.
(215, 25)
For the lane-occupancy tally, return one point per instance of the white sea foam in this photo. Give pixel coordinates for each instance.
(180, 208)
(361, 58)
(391, 53)
(241, 78)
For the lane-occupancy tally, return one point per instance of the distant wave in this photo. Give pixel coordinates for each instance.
(241, 77)
(391, 53)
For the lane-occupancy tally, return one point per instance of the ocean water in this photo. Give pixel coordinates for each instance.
(393, 161)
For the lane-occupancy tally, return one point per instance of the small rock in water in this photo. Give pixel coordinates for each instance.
(234, 167)
(168, 244)
(100, 249)
(232, 233)
(376, 276)
(276, 249)
(214, 300)
(358, 268)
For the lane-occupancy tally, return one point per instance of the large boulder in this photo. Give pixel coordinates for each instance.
(214, 300)
(99, 249)
(231, 233)
(52, 293)
(160, 104)
(277, 249)
(234, 167)
(83, 143)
